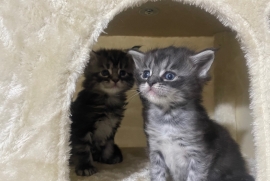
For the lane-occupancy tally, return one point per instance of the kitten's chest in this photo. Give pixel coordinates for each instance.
(170, 143)
(159, 115)
(173, 137)
(113, 101)
(165, 135)
(105, 126)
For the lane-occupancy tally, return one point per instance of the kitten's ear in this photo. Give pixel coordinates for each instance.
(137, 57)
(203, 60)
(92, 63)
(93, 57)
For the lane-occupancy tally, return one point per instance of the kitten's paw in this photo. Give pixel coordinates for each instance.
(114, 159)
(86, 171)
(109, 156)
(97, 157)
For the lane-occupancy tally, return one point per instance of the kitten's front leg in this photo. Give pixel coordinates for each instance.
(82, 155)
(198, 169)
(158, 168)
(84, 166)
(110, 153)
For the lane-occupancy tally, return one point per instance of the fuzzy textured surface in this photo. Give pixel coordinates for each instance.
(44, 46)
(134, 167)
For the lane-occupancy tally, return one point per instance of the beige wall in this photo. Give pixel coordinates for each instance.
(131, 134)
(231, 91)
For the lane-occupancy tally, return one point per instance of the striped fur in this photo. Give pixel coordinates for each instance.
(183, 141)
(98, 110)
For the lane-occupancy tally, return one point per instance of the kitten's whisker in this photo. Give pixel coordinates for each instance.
(134, 94)
(134, 90)
(130, 98)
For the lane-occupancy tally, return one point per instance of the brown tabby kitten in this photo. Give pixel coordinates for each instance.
(98, 110)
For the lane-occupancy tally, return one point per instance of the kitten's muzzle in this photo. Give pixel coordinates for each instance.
(115, 80)
(150, 90)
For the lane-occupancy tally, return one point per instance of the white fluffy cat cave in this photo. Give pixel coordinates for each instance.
(44, 46)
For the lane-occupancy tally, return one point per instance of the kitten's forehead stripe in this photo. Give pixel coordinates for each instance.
(162, 72)
(150, 62)
(165, 63)
(119, 65)
(122, 64)
(114, 73)
(111, 65)
(156, 71)
(153, 62)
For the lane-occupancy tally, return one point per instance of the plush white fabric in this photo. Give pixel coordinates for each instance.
(44, 45)
(134, 167)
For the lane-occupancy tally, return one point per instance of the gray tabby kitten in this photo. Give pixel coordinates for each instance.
(98, 110)
(184, 143)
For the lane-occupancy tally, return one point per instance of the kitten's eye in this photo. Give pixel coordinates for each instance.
(146, 74)
(105, 73)
(122, 73)
(169, 75)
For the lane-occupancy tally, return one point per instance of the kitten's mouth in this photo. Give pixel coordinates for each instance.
(115, 86)
(154, 93)
(151, 92)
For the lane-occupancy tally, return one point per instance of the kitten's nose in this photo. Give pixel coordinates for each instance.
(152, 80)
(115, 80)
